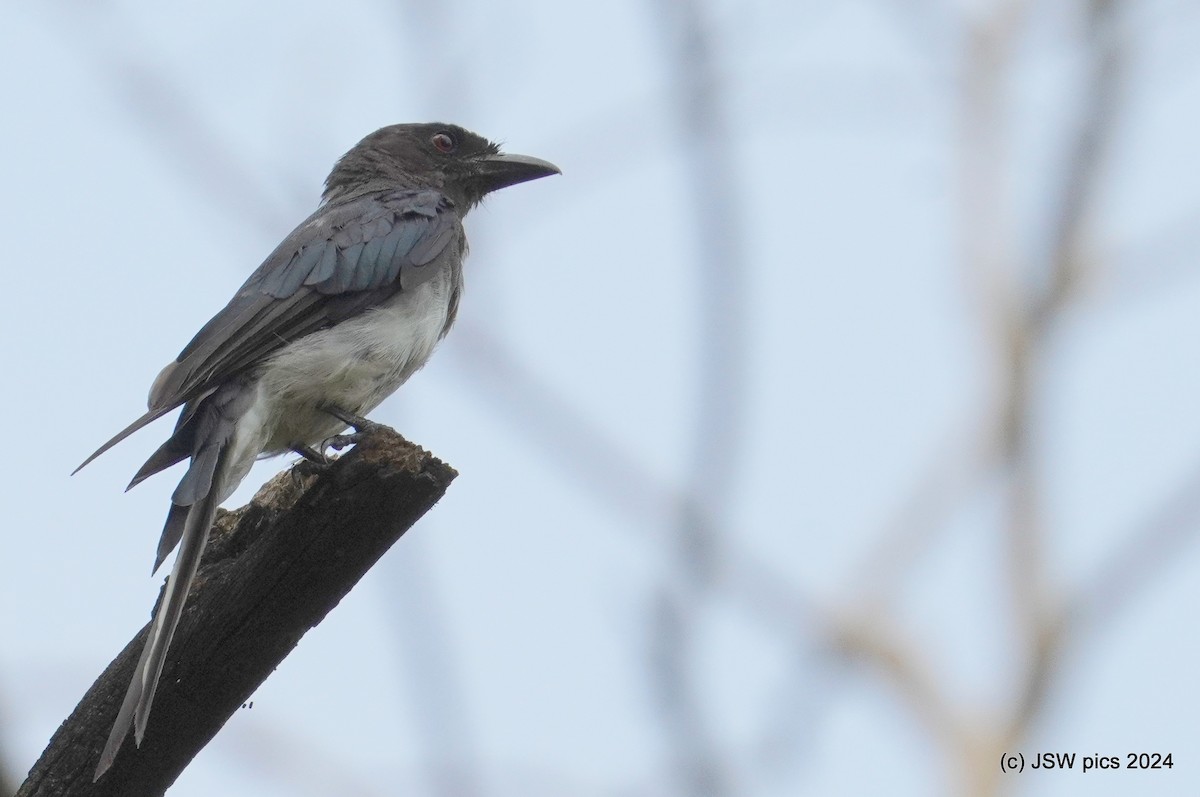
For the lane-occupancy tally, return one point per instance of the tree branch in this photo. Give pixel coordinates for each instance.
(273, 570)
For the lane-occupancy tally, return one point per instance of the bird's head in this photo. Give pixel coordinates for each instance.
(463, 165)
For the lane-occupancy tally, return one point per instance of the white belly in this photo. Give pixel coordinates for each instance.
(354, 366)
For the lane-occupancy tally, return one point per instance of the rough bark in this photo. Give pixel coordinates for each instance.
(272, 570)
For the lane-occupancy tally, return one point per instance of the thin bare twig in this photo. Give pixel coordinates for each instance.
(1146, 552)
(174, 121)
(430, 35)
(1018, 321)
(713, 191)
(958, 465)
(1088, 153)
(1085, 162)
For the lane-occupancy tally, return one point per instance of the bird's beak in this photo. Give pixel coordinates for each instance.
(502, 170)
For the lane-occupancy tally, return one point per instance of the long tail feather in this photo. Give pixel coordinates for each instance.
(135, 709)
(194, 505)
(149, 417)
(195, 536)
(172, 533)
(152, 415)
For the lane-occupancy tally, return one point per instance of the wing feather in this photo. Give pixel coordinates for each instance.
(345, 258)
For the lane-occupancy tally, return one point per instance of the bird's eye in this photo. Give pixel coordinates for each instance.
(443, 142)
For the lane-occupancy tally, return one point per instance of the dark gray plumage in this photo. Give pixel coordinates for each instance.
(344, 310)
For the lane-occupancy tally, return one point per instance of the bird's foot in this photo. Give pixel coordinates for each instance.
(316, 454)
(311, 454)
(360, 424)
(315, 460)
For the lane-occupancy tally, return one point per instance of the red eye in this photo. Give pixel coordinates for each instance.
(443, 142)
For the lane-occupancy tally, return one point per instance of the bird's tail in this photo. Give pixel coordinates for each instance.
(194, 506)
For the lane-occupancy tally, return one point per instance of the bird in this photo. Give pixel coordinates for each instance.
(338, 316)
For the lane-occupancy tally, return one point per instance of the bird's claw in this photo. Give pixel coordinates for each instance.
(360, 425)
(313, 455)
(317, 455)
(340, 441)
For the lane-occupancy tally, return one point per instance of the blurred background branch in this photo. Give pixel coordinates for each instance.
(729, 597)
(711, 192)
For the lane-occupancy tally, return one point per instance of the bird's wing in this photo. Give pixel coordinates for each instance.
(345, 258)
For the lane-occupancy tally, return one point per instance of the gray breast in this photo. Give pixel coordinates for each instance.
(354, 365)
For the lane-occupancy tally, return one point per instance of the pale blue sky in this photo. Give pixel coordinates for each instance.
(152, 156)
